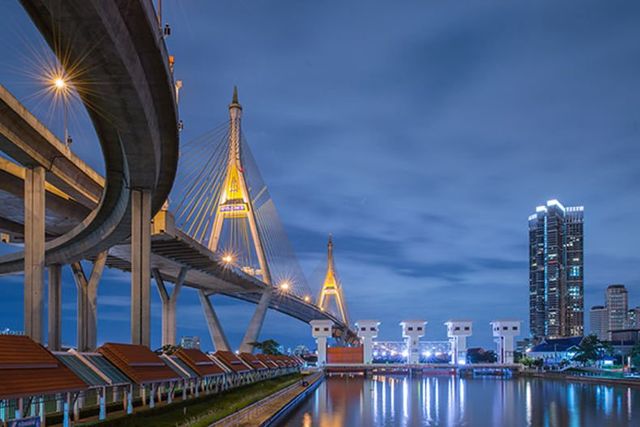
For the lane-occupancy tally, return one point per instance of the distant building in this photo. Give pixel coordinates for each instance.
(190, 342)
(599, 322)
(556, 271)
(617, 306)
(633, 318)
(554, 350)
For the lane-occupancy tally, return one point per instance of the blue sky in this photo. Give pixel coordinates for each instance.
(420, 134)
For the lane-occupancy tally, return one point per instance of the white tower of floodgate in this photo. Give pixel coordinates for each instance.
(321, 331)
(367, 331)
(504, 333)
(412, 331)
(458, 331)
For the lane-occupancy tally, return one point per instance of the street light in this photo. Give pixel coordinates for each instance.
(62, 89)
(284, 286)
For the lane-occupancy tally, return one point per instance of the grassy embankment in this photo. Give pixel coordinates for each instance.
(205, 409)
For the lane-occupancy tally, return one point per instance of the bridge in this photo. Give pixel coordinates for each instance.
(217, 231)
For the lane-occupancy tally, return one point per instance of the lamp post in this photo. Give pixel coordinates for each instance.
(62, 88)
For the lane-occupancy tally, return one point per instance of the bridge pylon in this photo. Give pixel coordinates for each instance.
(332, 289)
(235, 204)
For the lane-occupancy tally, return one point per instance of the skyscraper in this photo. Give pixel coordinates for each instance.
(633, 318)
(617, 306)
(556, 271)
(599, 322)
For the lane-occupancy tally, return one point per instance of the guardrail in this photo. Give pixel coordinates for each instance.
(250, 411)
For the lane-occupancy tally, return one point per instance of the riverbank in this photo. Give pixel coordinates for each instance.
(592, 379)
(271, 409)
(204, 411)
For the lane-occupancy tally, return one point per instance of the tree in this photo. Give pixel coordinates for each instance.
(267, 347)
(480, 355)
(635, 355)
(591, 350)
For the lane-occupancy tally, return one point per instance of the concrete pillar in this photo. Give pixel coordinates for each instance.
(321, 331)
(34, 239)
(130, 401)
(140, 267)
(102, 397)
(87, 336)
(255, 325)
(458, 331)
(213, 323)
(504, 333)
(367, 331)
(65, 413)
(412, 331)
(169, 304)
(54, 309)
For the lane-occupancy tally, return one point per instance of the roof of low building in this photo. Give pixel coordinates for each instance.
(199, 362)
(556, 344)
(28, 369)
(253, 361)
(231, 361)
(138, 363)
(267, 360)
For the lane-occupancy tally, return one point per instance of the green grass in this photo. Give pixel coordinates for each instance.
(205, 409)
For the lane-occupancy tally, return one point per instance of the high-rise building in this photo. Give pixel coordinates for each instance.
(633, 318)
(556, 271)
(599, 322)
(617, 305)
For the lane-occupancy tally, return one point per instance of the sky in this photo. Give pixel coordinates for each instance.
(421, 134)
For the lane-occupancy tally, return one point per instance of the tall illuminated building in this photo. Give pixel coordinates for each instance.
(556, 271)
(617, 306)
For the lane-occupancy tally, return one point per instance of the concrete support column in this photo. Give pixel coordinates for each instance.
(321, 331)
(367, 331)
(102, 399)
(458, 331)
(213, 323)
(34, 239)
(169, 303)
(504, 333)
(54, 309)
(255, 325)
(87, 336)
(140, 267)
(412, 331)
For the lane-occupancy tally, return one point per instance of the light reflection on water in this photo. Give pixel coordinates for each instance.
(452, 401)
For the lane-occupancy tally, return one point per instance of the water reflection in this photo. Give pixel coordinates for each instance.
(451, 401)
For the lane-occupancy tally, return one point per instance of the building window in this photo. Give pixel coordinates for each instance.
(410, 328)
(515, 328)
(317, 329)
(363, 329)
(466, 328)
(505, 328)
(419, 328)
(326, 329)
(457, 328)
(372, 328)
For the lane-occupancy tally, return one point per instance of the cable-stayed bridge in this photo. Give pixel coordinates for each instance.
(217, 231)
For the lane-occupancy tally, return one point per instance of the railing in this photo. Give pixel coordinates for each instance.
(250, 411)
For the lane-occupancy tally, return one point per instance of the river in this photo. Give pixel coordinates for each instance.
(452, 401)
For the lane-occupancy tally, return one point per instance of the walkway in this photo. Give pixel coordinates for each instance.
(259, 412)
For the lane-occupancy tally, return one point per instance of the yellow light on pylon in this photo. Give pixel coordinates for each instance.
(307, 298)
(228, 258)
(285, 286)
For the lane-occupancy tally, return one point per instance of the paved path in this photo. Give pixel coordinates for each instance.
(260, 411)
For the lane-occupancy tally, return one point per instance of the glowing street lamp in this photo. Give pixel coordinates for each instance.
(307, 298)
(62, 88)
(228, 259)
(284, 286)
